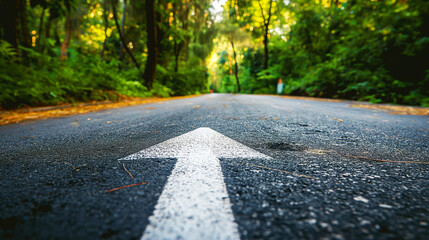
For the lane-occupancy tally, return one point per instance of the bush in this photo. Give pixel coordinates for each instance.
(42, 80)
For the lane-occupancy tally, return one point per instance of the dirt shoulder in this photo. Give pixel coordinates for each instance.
(24, 114)
(392, 109)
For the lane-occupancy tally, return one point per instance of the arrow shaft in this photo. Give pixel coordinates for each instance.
(194, 203)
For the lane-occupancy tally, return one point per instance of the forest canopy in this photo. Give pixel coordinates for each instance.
(66, 51)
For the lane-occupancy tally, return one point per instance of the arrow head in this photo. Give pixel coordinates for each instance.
(199, 141)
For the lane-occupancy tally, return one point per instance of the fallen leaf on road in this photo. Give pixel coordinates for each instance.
(196, 106)
(338, 119)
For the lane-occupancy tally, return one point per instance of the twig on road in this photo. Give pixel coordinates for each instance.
(131, 185)
(132, 177)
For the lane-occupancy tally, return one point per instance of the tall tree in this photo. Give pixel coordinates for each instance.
(66, 42)
(266, 18)
(68, 6)
(41, 22)
(152, 58)
(177, 38)
(162, 29)
(124, 5)
(25, 34)
(115, 16)
(235, 65)
(234, 6)
(9, 23)
(106, 26)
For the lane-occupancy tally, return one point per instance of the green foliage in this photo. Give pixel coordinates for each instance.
(188, 80)
(47, 81)
(86, 35)
(362, 50)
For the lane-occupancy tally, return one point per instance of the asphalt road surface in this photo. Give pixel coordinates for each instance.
(299, 170)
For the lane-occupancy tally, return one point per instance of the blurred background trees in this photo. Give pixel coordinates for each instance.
(57, 51)
(61, 51)
(374, 50)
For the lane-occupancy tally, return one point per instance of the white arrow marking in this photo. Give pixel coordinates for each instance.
(194, 203)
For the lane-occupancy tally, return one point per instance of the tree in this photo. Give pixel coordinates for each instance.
(266, 18)
(152, 57)
(9, 22)
(106, 25)
(121, 54)
(121, 36)
(235, 66)
(233, 49)
(234, 36)
(68, 6)
(66, 42)
(25, 34)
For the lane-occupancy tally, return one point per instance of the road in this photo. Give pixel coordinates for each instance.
(331, 171)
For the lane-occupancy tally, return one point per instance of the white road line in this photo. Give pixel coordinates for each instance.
(194, 203)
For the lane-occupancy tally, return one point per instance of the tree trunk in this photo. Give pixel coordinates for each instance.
(25, 34)
(177, 48)
(235, 66)
(176, 65)
(266, 53)
(162, 19)
(233, 48)
(106, 25)
(48, 28)
(150, 69)
(122, 36)
(39, 33)
(185, 24)
(56, 34)
(9, 23)
(121, 54)
(66, 42)
(47, 32)
(266, 31)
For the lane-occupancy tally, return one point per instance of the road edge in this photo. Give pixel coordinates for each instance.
(38, 113)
